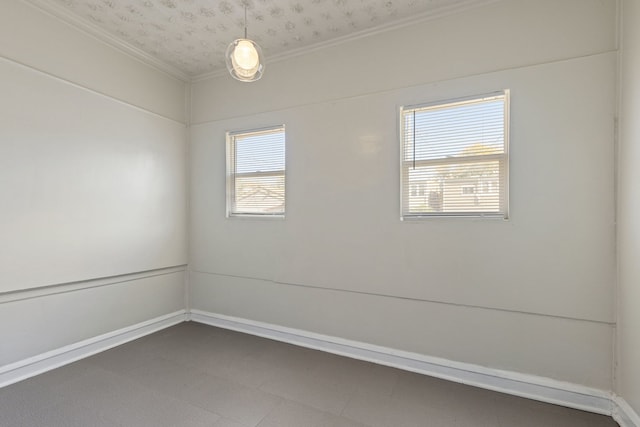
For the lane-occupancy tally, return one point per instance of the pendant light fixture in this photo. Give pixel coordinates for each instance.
(244, 57)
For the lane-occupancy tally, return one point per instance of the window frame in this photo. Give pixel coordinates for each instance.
(231, 165)
(504, 158)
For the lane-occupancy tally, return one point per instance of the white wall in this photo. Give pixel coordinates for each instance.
(628, 369)
(35, 322)
(40, 41)
(93, 175)
(532, 294)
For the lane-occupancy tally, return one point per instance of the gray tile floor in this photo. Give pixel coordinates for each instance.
(198, 375)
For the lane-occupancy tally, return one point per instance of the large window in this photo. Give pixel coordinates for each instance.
(455, 158)
(256, 173)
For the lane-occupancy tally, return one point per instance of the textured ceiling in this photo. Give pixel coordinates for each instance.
(192, 35)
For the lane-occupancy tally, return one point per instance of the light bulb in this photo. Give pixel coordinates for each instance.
(244, 60)
(245, 56)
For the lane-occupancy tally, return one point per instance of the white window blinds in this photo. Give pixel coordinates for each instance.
(256, 172)
(455, 158)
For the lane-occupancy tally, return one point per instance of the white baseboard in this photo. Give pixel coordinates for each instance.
(523, 385)
(624, 414)
(41, 363)
(528, 386)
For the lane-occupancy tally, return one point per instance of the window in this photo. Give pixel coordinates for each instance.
(457, 153)
(256, 172)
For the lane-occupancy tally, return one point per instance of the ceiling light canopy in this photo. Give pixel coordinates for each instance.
(244, 58)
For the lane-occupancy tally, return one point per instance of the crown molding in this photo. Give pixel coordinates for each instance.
(395, 25)
(93, 30)
(69, 18)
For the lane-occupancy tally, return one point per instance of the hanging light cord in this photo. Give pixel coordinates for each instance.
(245, 21)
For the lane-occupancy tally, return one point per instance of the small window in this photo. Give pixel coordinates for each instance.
(453, 150)
(256, 173)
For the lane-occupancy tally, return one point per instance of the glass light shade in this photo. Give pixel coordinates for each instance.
(244, 60)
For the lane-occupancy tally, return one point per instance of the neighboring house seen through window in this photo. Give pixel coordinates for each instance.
(455, 158)
(256, 173)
